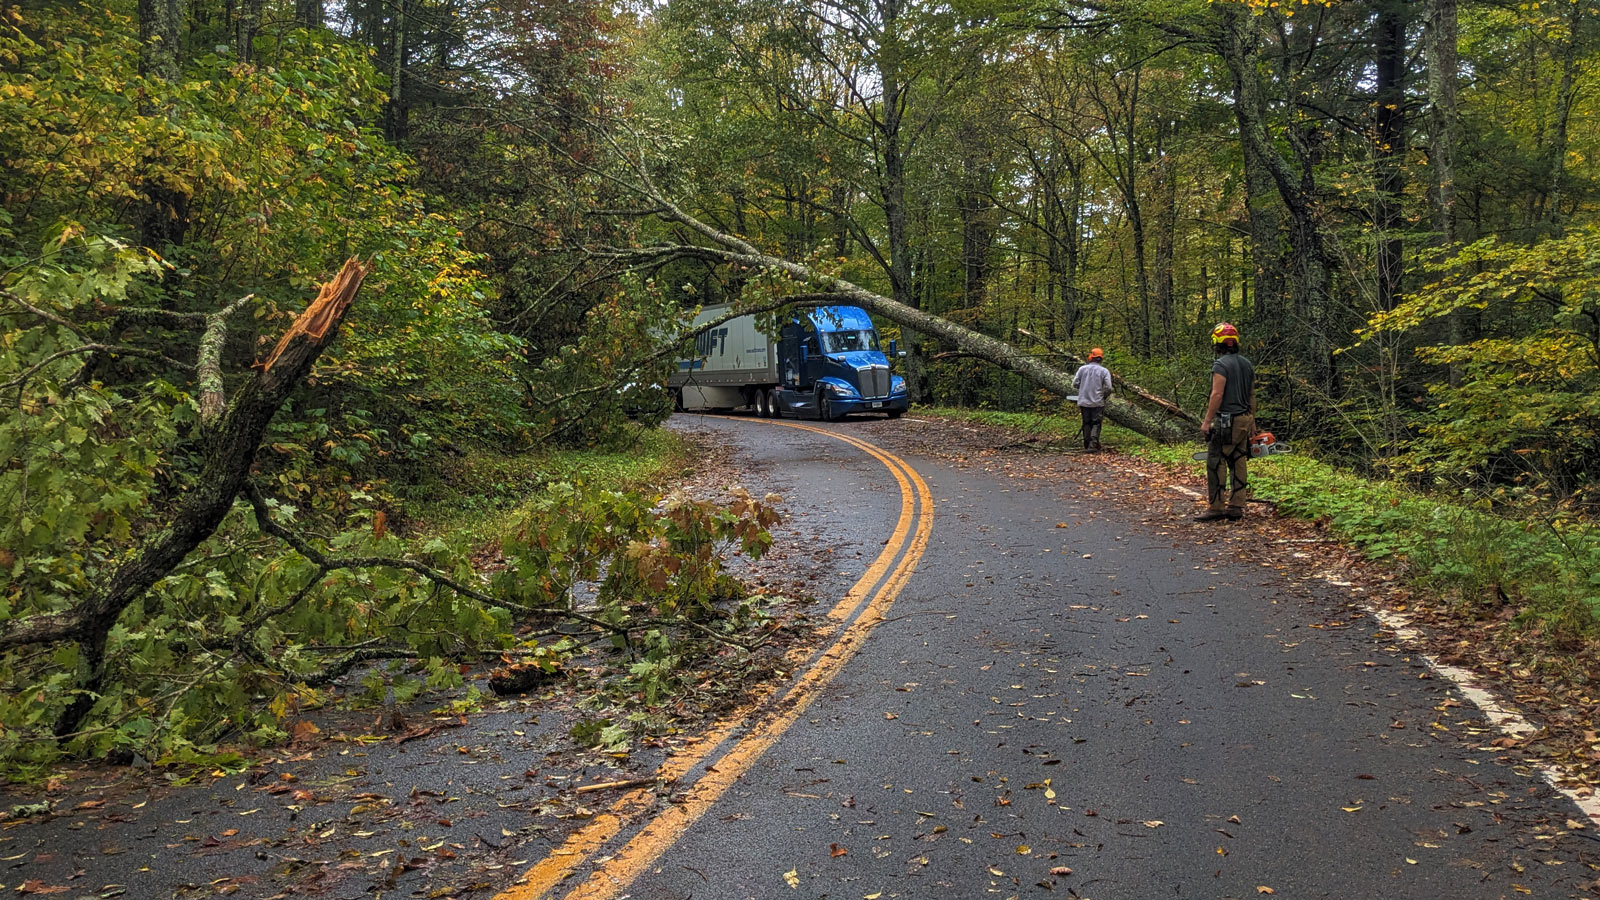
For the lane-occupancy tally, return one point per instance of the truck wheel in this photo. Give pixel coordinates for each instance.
(764, 403)
(677, 400)
(825, 408)
(896, 413)
(774, 405)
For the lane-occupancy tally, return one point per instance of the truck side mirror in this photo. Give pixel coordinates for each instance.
(892, 346)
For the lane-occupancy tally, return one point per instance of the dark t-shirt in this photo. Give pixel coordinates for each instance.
(1241, 384)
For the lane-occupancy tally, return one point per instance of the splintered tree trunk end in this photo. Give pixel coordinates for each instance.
(325, 312)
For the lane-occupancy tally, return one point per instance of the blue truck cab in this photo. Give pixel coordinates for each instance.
(826, 363)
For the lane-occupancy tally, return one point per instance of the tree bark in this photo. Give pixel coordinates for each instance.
(1389, 137)
(246, 27)
(160, 29)
(164, 216)
(395, 118)
(309, 13)
(1166, 188)
(1441, 37)
(1556, 140)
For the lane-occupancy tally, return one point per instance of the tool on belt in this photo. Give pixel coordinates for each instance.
(1263, 444)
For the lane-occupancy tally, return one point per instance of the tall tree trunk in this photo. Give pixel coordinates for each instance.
(1556, 140)
(1239, 47)
(1444, 127)
(977, 233)
(1166, 189)
(892, 191)
(395, 118)
(309, 13)
(160, 28)
(1389, 135)
(165, 213)
(838, 197)
(246, 26)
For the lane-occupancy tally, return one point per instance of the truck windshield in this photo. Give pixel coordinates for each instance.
(849, 341)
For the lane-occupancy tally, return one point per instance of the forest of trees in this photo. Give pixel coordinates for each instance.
(1393, 199)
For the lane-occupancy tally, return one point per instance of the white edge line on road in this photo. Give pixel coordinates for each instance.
(1503, 717)
(1186, 491)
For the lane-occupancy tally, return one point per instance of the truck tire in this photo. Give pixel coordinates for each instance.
(896, 413)
(825, 408)
(774, 405)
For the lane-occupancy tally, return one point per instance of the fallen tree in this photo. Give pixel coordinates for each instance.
(1161, 420)
(1158, 419)
(155, 596)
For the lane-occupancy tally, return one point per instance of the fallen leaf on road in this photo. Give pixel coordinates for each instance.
(792, 878)
(835, 851)
(1263, 889)
(1154, 823)
(1061, 870)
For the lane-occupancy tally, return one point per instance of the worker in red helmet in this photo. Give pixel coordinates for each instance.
(1229, 423)
(1092, 381)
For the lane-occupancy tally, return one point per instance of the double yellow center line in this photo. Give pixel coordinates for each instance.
(882, 581)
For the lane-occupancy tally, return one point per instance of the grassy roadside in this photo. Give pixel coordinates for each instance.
(1538, 571)
(480, 494)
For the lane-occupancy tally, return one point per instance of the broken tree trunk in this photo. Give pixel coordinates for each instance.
(231, 451)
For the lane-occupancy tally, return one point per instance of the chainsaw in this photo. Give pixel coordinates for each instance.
(1263, 444)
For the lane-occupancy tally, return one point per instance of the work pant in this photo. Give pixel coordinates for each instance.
(1228, 452)
(1092, 416)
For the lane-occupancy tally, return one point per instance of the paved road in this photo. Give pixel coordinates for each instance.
(1066, 700)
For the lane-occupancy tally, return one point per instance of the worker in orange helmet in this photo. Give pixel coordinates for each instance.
(1093, 384)
(1228, 426)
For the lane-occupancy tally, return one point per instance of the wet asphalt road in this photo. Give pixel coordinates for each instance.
(1204, 732)
(1117, 699)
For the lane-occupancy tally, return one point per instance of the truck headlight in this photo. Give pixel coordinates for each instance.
(841, 390)
(897, 384)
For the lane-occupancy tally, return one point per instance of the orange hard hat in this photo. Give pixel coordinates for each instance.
(1097, 353)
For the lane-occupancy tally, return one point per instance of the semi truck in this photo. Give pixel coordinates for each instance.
(826, 363)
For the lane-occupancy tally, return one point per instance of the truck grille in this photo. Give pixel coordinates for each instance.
(874, 382)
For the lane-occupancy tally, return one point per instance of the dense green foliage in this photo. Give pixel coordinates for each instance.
(166, 217)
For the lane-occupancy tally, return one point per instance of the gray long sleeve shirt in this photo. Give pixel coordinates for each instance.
(1093, 383)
